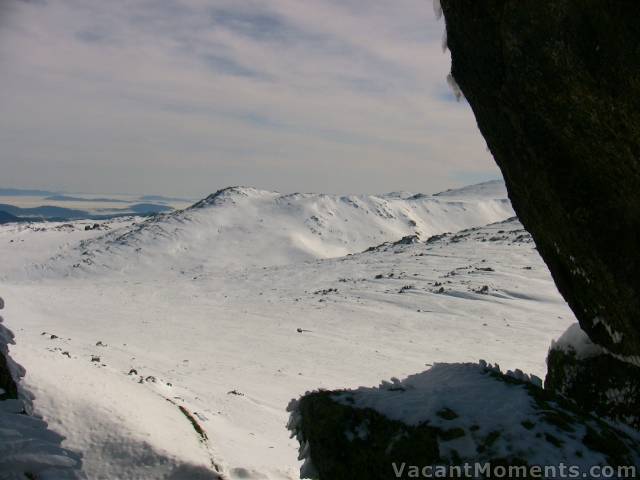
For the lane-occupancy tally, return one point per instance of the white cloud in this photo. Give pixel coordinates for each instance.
(186, 96)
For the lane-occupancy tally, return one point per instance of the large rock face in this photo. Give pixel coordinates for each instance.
(555, 88)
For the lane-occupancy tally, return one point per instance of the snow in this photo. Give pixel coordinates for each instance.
(575, 340)
(239, 227)
(437, 9)
(245, 301)
(26, 444)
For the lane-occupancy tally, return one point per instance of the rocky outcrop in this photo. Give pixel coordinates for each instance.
(450, 416)
(555, 89)
(595, 380)
(9, 370)
(28, 449)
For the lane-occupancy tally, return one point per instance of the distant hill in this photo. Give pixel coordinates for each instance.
(148, 208)
(161, 198)
(8, 218)
(50, 212)
(68, 198)
(142, 208)
(241, 226)
(44, 211)
(492, 188)
(18, 192)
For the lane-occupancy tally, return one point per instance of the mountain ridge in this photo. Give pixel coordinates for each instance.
(236, 227)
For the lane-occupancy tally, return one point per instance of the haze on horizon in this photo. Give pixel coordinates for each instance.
(183, 97)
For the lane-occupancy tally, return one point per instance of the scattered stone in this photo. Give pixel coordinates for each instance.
(326, 291)
(406, 288)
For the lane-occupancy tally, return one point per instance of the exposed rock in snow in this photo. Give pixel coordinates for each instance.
(594, 379)
(575, 341)
(451, 415)
(28, 449)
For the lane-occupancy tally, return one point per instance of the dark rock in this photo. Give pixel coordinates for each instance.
(462, 413)
(407, 240)
(595, 380)
(555, 89)
(8, 384)
(343, 442)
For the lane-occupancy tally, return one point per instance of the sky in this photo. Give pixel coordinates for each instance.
(183, 97)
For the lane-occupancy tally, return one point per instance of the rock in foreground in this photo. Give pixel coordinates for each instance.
(451, 415)
(595, 380)
(555, 89)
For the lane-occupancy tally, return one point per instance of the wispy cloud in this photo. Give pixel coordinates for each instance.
(185, 96)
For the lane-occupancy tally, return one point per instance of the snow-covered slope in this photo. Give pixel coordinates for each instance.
(28, 449)
(232, 347)
(241, 226)
(490, 189)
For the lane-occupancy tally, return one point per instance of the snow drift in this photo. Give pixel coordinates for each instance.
(28, 449)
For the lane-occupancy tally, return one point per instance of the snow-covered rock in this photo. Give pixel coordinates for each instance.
(28, 449)
(597, 381)
(453, 415)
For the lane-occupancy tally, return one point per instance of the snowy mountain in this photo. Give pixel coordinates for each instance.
(129, 364)
(242, 226)
(170, 347)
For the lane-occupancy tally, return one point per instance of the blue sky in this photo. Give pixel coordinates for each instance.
(183, 97)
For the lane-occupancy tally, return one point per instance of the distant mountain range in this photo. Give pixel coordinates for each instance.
(68, 198)
(19, 192)
(63, 197)
(8, 218)
(11, 213)
(241, 226)
(161, 198)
